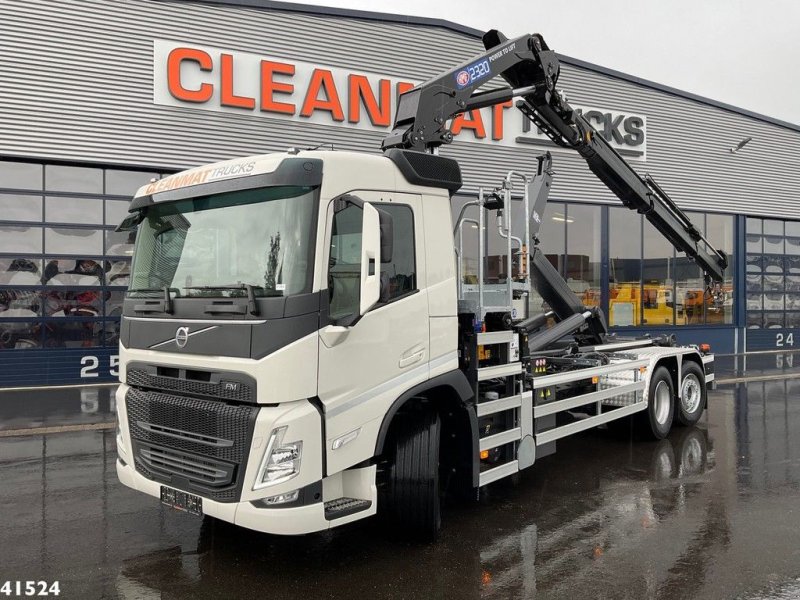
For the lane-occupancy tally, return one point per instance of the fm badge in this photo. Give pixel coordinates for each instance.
(181, 336)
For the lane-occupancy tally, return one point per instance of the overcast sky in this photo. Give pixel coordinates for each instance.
(742, 52)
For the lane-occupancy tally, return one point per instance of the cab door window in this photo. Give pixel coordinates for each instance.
(399, 275)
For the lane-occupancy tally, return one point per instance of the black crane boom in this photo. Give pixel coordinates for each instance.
(531, 69)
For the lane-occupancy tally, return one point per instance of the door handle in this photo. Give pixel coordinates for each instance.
(406, 361)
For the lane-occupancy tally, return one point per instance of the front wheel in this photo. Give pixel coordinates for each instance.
(412, 501)
(692, 399)
(655, 422)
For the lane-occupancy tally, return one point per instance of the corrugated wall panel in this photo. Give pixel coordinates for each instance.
(76, 84)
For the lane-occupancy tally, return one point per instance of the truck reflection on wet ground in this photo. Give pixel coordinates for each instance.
(705, 513)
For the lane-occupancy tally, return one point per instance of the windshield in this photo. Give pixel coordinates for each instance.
(222, 244)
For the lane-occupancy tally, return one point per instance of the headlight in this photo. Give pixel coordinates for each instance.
(281, 461)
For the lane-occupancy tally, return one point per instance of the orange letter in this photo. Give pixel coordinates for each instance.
(497, 119)
(228, 97)
(475, 124)
(403, 87)
(321, 78)
(270, 87)
(378, 111)
(174, 60)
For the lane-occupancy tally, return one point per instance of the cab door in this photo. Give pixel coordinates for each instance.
(366, 361)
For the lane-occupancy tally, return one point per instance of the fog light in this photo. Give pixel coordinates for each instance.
(282, 498)
(281, 461)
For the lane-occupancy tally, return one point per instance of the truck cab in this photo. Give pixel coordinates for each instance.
(279, 305)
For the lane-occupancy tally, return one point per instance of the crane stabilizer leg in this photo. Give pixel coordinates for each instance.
(563, 301)
(539, 191)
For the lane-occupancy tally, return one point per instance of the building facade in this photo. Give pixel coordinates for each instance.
(99, 97)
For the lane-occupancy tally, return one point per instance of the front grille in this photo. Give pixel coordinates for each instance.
(164, 460)
(194, 444)
(240, 392)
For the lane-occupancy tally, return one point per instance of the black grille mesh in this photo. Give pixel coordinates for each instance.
(421, 168)
(141, 378)
(436, 168)
(198, 417)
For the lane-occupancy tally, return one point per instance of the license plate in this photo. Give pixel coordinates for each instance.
(182, 501)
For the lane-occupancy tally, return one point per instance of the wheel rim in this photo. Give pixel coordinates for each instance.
(662, 401)
(690, 393)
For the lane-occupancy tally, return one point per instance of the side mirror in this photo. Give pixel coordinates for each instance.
(131, 222)
(370, 258)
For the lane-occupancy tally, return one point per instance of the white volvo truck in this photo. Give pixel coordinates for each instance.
(304, 343)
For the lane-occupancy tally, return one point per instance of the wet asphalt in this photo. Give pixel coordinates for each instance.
(711, 512)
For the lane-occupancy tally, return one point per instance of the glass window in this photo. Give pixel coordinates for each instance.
(116, 211)
(18, 207)
(73, 179)
(72, 272)
(754, 301)
(83, 333)
(86, 211)
(658, 277)
(552, 243)
(773, 227)
(773, 320)
(113, 304)
(553, 234)
(20, 271)
(20, 334)
(792, 228)
(120, 243)
(344, 273)
(14, 238)
(720, 297)
(118, 272)
(582, 264)
(792, 283)
(625, 263)
(792, 247)
(73, 241)
(398, 277)
(19, 303)
(111, 332)
(215, 245)
(126, 183)
(20, 176)
(86, 302)
(754, 225)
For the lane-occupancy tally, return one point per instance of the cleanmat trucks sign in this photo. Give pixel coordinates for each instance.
(201, 77)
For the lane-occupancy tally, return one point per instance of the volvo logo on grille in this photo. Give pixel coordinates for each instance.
(182, 336)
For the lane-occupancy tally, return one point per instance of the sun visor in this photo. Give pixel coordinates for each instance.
(306, 172)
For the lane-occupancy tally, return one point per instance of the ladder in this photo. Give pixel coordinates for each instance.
(514, 407)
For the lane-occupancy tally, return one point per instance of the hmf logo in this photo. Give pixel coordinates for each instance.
(206, 78)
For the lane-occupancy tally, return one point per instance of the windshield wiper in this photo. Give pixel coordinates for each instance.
(164, 305)
(252, 307)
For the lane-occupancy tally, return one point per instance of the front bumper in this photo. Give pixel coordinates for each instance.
(281, 521)
(303, 424)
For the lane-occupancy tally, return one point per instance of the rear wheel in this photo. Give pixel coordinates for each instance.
(692, 400)
(412, 501)
(655, 422)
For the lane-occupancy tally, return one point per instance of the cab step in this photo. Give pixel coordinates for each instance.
(342, 507)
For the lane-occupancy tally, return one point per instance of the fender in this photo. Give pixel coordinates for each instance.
(456, 381)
